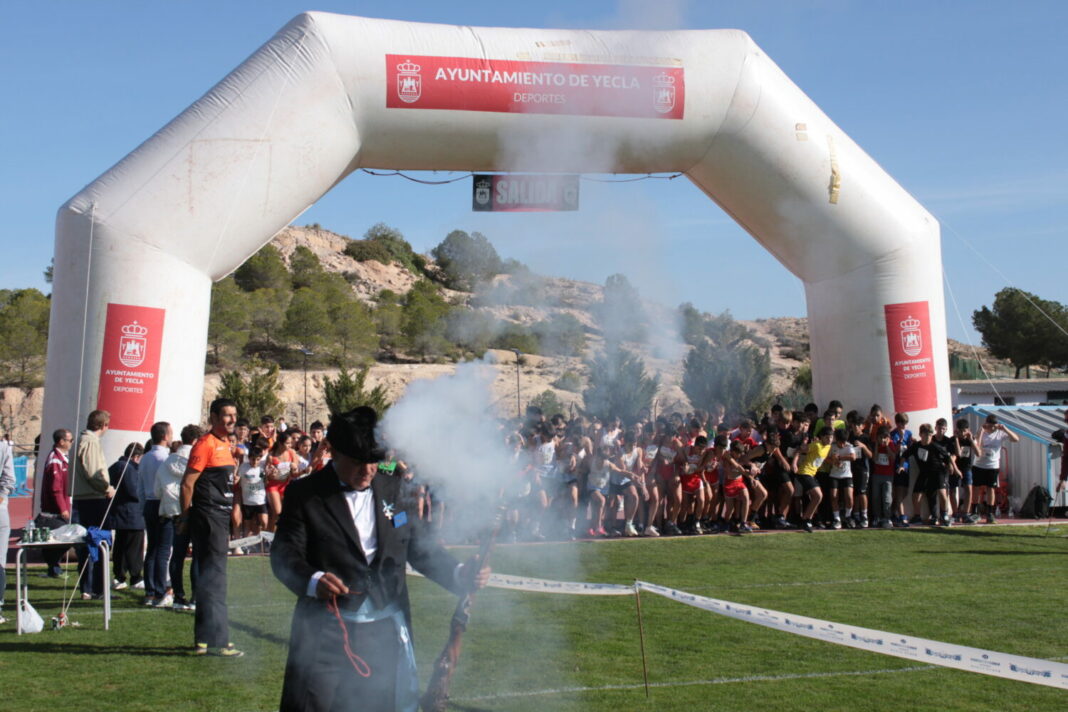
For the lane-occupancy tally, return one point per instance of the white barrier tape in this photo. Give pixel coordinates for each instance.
(517, 583)
(986, 662)
(252, 540)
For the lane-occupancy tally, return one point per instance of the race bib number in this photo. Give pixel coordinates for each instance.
(921, 455)
(817, 462)
(965, 451)
(790, 452)
(882, 459)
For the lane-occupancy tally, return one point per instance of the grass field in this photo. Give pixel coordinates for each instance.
(994, 587)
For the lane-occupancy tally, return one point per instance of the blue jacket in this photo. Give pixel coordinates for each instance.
(127, 511)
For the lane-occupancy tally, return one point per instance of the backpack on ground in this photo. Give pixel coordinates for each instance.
(1036, 504)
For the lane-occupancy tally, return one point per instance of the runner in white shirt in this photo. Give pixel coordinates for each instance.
(253, 491)
(987, 465)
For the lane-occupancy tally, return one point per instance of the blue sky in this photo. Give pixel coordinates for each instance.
(964, 103)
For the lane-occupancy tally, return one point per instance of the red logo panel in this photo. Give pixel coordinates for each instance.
(912, 373)
(501, 85)
(129, 367)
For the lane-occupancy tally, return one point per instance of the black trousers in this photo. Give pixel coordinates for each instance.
(90, 513)
(210, 533)
(319, 676)
(128, 556)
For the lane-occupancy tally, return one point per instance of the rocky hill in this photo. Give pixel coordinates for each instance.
(521, 299)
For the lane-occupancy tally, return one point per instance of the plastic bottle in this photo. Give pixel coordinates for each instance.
(29, 531)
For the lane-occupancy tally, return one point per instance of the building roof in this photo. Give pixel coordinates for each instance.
(1013, 385)
(1037, 422)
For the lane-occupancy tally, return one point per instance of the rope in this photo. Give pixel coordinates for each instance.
(381, 174)
(964, 329)
(358, 664)
(1007, 280)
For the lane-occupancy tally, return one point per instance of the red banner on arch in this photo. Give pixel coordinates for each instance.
(912, 372)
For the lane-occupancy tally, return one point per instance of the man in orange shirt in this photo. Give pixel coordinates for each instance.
(207, 501)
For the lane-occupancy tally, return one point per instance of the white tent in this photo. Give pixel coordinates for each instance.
(138, 248)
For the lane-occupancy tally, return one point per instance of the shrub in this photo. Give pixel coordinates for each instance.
(568, 381)
(367, 251)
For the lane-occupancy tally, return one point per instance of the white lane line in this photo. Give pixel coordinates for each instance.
(691, 683)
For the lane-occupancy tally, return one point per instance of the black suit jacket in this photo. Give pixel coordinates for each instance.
(316, 533)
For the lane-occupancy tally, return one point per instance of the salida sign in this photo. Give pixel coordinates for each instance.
(129, 365)
(524, 193)
(510, 86)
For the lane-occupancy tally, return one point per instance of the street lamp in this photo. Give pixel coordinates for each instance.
(304, 405)
(518, 409)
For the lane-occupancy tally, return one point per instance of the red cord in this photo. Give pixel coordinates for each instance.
(359, 665)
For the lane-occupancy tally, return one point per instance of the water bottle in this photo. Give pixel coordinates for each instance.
(28, 532)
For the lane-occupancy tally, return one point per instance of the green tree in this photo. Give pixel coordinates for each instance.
(391, 239)
(354, 334)
(466, 259)
(738, 375)
(304, 267)
(568, 381)
(561, 335)
(1014, 329)
(470, 329)
(307, 323)
(618, 384)
(348, 390)
(24, 315)
(549, 403)
(423, 319)
(255, 389)
(50, 271)
(228, 326)
(264, 270)
(620, 313)
(267, 314)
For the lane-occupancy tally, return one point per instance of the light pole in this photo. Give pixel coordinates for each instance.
(518, 409)
(304, 405)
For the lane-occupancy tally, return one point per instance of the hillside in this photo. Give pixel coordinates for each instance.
(522, 299)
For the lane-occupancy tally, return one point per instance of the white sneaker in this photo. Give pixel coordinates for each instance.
(140, 585)
(120, 585)
(629, 530)
(651, 531)
(166, 602)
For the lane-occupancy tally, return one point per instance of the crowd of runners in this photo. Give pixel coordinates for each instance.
(700, 473)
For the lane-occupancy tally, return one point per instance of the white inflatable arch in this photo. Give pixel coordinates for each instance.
(137, 250)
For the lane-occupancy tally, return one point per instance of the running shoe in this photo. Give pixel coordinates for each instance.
(836, 524)
(140, 585)
(671, 529)
(228, 652)
(629, 530)
(745, 529)
(885, 524)
(946, 521)
(990, 519)
(150, 601)
(650, 531)
(601, 532)
(166, 602)
(3, 620)
(591, 533)
(916, 519)
(807, 526)
(862, 523)
(119, 585)
(200, 649)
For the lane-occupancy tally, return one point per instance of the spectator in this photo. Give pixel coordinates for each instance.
(168, 489)
(207, 498)
(127, 519)
(55, 497)
(7, 486)
(92, 490)
(156, 555)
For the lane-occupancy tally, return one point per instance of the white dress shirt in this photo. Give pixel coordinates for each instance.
(362, 507)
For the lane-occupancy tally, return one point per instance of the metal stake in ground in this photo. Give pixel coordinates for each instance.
(641, 636)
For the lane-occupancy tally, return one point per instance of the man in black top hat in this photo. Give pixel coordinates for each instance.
(342, 543)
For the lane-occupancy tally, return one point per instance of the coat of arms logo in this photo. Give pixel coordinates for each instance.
(911, 339)
(132, 345)
(482, 191)
(663, 92)
(409, 83)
